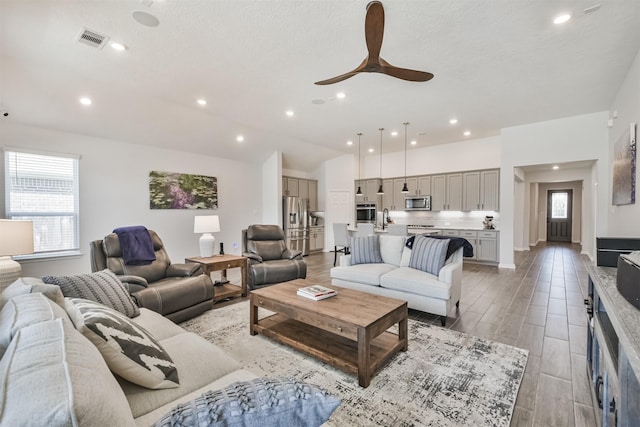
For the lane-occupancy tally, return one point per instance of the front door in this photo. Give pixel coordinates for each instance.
(559, 207)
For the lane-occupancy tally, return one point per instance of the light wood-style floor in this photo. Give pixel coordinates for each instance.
(538, 306)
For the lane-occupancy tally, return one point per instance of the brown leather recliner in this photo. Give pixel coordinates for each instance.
(177, 291)
(269, 259)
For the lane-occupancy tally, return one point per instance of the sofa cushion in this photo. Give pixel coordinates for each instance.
(368, 274)
(53, 376)
(103, 287)
(428, 254)
(29, 285)
(157, 325)
(129, 350)
(24, 310)
(406, 257)
(417, 282)
(259, 402)
(391, 248)
(200, 362)
(365, 250)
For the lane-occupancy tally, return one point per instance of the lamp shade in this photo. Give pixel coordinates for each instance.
(206, 224)
(16, 237)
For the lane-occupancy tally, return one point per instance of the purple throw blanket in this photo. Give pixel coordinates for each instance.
(136, 245)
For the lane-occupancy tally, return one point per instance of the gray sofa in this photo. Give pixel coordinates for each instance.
(394, 278)
(54, 376)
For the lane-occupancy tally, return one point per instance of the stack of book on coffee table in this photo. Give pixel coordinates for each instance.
(316, 292)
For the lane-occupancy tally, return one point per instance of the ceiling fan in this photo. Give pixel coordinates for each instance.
(373, 63)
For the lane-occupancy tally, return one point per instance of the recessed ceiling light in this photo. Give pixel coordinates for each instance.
(555, 167)
(453, 121)
(349, 142)
(414, 142)
(118, 46)
(85, 101)
(371, 150)
(202, 101)
(561, 19)
(467, 133)
(340, 95)
(289, 113)
(239, 138)
(394, 133)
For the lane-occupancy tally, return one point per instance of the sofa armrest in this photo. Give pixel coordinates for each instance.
(252, 257)
(183, 270)
(345, 260)
(133, 283)
(292, 254)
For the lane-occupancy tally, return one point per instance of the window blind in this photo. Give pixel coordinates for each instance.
(44, 188)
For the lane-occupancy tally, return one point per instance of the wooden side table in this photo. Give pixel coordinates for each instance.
(222, 263)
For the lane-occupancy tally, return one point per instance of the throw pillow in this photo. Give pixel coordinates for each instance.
(428, 254)
(103, 287)
(262, 402)
(365, 250)
(31, 285)
(25, 310)
(129, 350)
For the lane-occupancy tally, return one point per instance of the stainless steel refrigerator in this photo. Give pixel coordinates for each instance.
(295, 223)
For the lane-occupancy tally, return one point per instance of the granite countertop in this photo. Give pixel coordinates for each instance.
(624, 317)
(455, 228)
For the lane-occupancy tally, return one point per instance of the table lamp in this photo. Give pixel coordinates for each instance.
(16, 238)
(206, 225)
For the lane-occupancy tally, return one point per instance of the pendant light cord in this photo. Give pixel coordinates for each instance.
(381, 129)
(405, 150)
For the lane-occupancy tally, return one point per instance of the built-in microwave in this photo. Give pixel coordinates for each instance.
(366, 212)
(421, 203)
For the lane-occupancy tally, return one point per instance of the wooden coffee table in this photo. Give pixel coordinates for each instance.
(348, 331)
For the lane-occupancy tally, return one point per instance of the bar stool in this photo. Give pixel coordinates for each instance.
(340, 239)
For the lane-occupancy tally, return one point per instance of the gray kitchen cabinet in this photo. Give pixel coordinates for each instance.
(487, 246)
(313, 195)
(369, 189)
(388, 197)
(292, 187)
(490, 190)
(398, 195)
(303, 188)
(439, 193)
(454, 192)
(480, 190)
(472, 237)
(424, 185)
(316, 239)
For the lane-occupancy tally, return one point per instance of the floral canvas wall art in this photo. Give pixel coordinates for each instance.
(624, 168)
(169, 190)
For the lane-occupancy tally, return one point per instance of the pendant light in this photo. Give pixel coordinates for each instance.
(380, 189)
(405, 189)
(359, 192)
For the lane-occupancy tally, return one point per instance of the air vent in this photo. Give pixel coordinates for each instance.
(591, 9)
(92, 38)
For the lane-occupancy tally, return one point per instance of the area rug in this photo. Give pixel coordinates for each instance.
(446, 378)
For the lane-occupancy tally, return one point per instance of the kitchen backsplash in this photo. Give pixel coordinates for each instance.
(445, 219)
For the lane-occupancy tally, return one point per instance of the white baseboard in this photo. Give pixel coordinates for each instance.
(588, 255)
(507, 266)
(521, 249)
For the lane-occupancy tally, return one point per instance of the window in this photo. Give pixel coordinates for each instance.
(43, 188)
(559, 203)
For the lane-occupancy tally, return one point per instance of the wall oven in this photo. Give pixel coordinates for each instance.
(366, 212)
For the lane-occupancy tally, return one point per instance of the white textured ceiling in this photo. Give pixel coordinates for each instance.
(496, 64)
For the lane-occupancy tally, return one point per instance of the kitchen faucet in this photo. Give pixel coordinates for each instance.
(385, 217)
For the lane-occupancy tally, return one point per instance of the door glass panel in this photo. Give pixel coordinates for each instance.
(559, 205)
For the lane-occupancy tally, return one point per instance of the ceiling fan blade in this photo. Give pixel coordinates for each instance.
(403, 73)
(337, 78)
(374, 30)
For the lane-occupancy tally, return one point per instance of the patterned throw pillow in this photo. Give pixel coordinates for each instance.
(365, 250)
(103, 287)
(428, 254)
(257, 403)
(129, 350)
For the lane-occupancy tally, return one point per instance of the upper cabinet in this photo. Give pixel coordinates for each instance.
(300, 187)
(463, 191)
(481, 190)
(446, 192)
